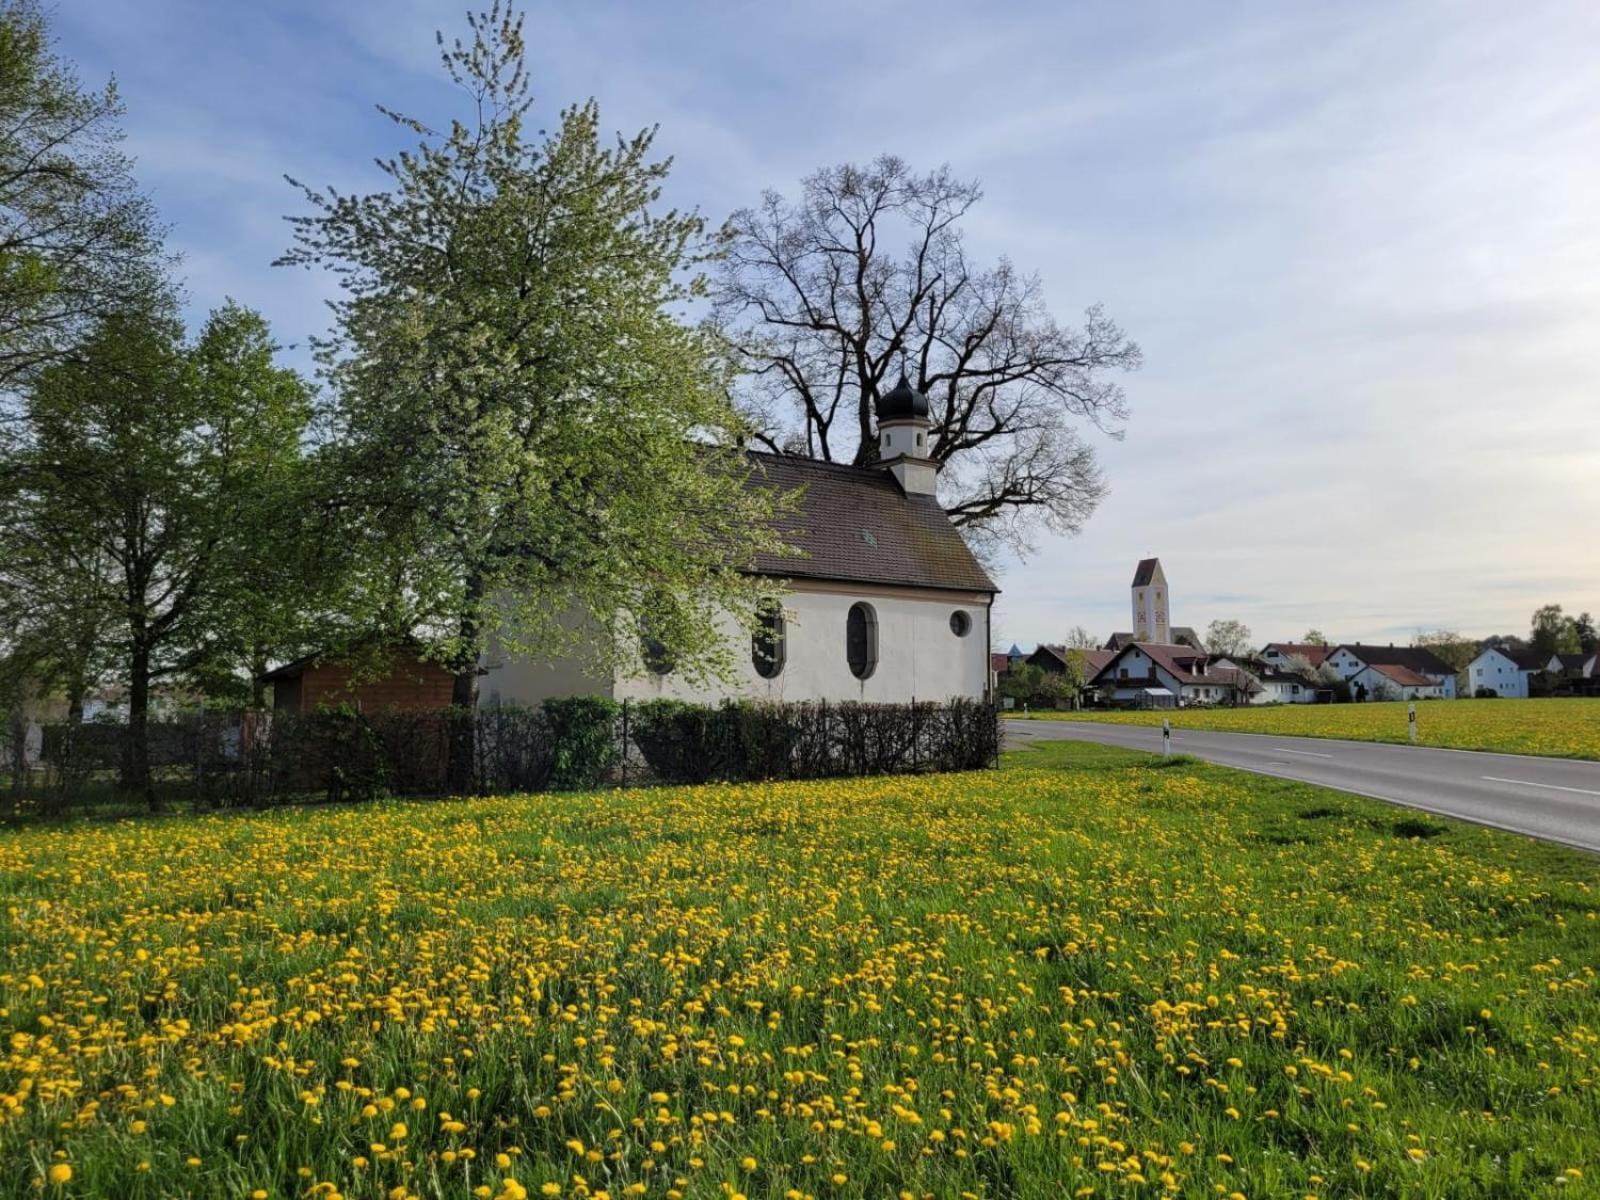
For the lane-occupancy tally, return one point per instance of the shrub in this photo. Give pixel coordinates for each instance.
(582, 731)
(692, 743)
(743, 740)
(220, 760)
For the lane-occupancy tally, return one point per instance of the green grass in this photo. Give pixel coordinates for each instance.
(1558, 728)
(1090, 973)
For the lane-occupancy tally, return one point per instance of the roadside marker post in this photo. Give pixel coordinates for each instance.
(1411, 720)
(1166, 738)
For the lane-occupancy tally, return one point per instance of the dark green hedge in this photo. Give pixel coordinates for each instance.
(695, 743)
(579, 742)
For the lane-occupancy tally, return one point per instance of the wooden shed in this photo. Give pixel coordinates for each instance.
(371, 681)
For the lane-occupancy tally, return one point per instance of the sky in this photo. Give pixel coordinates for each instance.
(1359, 244)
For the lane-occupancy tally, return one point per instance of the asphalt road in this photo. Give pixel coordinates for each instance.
(1556, 799)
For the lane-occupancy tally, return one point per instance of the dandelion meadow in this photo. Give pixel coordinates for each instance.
(1558, 728)
(1088, 974)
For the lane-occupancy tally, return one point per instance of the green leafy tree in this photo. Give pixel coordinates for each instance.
(1314, 637)
(1583, 628)
(147, 462)
(1553, 632)
(1034, 686)
(1452, 648)
(77, 239)
(276, 561)
(538, 450)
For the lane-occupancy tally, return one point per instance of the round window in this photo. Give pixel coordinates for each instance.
(961, 622)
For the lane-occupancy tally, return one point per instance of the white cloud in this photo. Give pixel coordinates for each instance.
(1357, 243)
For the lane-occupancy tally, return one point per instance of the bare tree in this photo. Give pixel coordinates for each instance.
(825, 301)
(1228, 637)
(1079, 638)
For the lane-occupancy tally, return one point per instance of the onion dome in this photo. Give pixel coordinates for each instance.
(903, 403)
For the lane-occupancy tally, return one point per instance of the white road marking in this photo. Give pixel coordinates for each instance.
(1554, 787)
(1307, 753)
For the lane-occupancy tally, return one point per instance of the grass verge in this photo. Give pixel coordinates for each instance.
(1086, 974)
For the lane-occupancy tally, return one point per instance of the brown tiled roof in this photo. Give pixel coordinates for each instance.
(1313, 654)
(855, 525)
(999, 663)
(1050, 653)
(1094, 661)
(1183, 663)
(1098, 660)
(1416, 658)
(1404, 676)
(1145, 571)
(1182, 635)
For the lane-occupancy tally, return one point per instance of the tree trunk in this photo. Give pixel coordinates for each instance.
(136, 757)
(462, 765)
(258, 689)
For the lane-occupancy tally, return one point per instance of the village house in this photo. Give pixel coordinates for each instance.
(1518, 674)
(1148, 675)
(1283, 654)
(1394, 672)
(1505, 673)
(1392, 681)
(1054, 659)
(1273, 684)
(1575, 674)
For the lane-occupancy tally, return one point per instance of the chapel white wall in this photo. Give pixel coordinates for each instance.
(918, 655)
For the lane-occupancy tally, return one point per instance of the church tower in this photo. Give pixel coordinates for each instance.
(1151, 603)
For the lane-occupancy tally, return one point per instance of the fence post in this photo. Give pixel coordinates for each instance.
(625, 735)
(826, 749)
(1411, 722)
(916, 736)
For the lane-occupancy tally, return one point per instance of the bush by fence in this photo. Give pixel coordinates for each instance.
(337, 754)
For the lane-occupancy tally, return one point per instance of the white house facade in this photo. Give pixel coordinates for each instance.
(1354, 663)
(886, 603)
(1147, 674)
(1387, 681)
(1283, 655)
(1506, 673)
(1280, 688)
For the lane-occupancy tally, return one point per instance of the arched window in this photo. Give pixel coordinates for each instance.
(861, 640)
(961, 622)
(653, 650)
(769, 645)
